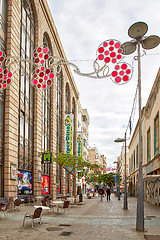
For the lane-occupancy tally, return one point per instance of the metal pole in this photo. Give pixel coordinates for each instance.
(140, 205)
(125, 184)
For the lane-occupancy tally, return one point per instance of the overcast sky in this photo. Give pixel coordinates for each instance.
(82, 26)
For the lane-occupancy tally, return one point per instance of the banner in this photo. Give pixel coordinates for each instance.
(45, 184)
(79, 145)
(69, 134)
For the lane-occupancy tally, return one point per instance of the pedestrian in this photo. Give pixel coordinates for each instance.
(108, 193)
(101, 191)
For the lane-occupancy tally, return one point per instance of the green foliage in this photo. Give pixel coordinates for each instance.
(98, 177)
(74, 162)
(107, 179)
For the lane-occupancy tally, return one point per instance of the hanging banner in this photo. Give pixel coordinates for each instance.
(69, 134)
(79, 145)
(45, 184)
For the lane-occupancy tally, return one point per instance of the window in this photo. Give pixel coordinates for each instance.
(26, 90)
(156, 135)
(148, 145)
(46, 108)
(134, 160)
(137, 154)
(59, 126)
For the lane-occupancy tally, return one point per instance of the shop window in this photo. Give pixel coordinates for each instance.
(156, 135)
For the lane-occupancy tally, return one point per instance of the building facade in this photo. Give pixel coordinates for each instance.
(150, 148)
(32, 115)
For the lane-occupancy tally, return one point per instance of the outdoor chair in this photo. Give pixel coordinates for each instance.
(44, 203)
(35, 215)
(11, 203)
(48, 204)
(4, 208)
(64, 206)
(31, 199)
(17, 204)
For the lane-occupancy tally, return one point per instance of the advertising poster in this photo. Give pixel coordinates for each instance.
(24, 182)
(45, 184)
(13, 171)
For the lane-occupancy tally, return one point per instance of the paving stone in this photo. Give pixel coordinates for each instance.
(92, 220)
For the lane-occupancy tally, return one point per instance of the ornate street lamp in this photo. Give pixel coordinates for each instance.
(125, 204)
(137, 32)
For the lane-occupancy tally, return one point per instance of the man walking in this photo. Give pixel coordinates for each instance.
(101, 191)
(108, 193)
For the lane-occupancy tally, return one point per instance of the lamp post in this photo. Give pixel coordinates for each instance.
(125, 203)
(137, 32)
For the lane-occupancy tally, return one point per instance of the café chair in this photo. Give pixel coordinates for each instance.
(64, 206)
(35, 215)
(4, 208)
(17, 204)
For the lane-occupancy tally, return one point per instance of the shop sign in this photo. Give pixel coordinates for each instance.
(46, 157)
(79, 145)
(69, 168)
(69, 134)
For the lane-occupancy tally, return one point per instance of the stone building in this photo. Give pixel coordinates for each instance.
(32, 118)
(150, 148)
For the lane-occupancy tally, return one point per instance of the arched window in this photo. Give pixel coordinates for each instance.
(26, 92)
(59, 126)
(67, 110)
(67, 100)
(46, 108)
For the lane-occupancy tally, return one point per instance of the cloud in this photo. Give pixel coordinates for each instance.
(83, 26)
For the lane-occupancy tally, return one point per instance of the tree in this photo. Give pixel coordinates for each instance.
(107, 179)
(72, 162)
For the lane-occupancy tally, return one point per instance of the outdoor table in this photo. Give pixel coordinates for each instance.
(71, 199)
(43, 207)
(58, 203)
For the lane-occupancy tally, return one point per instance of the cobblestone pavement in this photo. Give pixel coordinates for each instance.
(91, 220)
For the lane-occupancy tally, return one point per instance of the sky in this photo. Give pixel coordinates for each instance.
(82, 26)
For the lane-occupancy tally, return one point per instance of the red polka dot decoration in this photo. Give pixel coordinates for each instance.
(110, 51)
(122, 73)
(41, 55)
(5, 75)
(42, 78)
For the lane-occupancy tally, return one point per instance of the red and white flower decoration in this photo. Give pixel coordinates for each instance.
(109, 54)
(5, 75)
(42, 76)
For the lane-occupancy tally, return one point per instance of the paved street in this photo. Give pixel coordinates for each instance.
(91, 220)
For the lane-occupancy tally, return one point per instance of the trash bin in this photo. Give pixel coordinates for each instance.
(80, 197)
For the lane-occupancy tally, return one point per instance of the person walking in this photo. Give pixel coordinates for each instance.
(101, 191)
(108, 193)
